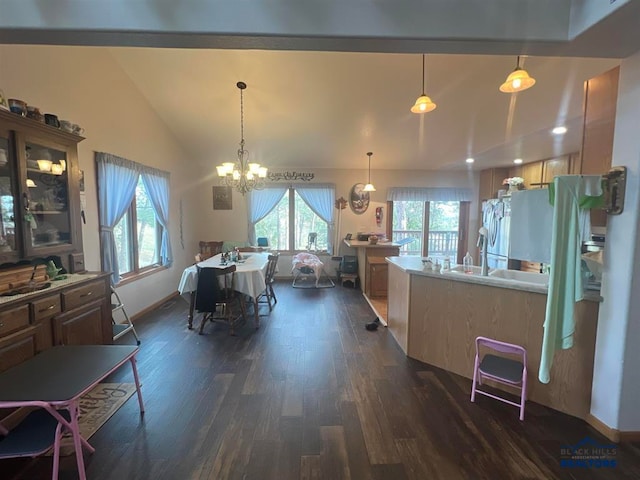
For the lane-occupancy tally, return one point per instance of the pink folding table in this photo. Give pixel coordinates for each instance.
(60, 375)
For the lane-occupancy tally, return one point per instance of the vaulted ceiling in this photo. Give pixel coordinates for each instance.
(329, 81)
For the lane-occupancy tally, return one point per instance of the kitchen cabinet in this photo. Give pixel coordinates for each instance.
(532, 175)
(600, 97)
(76, 311)
(491, 181)
(39, 190)
(555, 166)
(372, 265)
(378, 275)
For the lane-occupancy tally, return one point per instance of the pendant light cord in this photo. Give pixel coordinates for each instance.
(423, 90)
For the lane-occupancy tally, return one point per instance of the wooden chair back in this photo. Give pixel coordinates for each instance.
(271, 267)
(209, 249)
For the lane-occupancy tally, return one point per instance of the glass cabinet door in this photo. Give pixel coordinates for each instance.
(47, 216)
(9, 241)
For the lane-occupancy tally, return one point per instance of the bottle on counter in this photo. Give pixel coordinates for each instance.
(467, 263)
(446, 264)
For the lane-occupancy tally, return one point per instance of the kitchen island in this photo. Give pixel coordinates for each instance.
(435, 318)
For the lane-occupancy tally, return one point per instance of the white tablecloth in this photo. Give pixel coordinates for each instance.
(249, 273)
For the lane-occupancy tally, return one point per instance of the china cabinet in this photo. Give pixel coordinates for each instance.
(39, 191)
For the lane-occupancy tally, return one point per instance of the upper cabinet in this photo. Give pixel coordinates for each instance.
(491, 181)
(600, 97)
(39, 187)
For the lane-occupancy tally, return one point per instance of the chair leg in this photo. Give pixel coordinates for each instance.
(523, 394)
(272, 293)
(475, 376)
(56, 452)
(204, 320)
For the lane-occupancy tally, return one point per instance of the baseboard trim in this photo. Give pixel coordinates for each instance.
(153, 306)
(611, 433)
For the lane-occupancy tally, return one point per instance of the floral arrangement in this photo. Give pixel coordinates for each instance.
(514, 181)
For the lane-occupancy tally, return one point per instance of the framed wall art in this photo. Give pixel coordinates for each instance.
(222, 197)
(358, 199)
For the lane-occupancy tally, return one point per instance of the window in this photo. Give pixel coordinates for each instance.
(293, 225)
(445, 233)
(133, 207)
(138, 235)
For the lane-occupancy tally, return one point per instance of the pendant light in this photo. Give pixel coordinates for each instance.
(369, 186)
(423, 103)
(518, 80)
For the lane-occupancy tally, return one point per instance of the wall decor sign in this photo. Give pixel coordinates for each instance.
(358, 199)
(222, 198)
(288, 176)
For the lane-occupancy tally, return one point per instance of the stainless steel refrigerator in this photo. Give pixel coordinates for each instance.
(496, 218)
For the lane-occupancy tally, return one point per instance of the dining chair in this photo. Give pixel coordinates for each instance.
(500, 369)
(268, 294)
(40, 430)
(217, 299)
(209, 249)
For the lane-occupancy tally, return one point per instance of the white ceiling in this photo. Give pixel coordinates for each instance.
(327, 109)
(312, 104)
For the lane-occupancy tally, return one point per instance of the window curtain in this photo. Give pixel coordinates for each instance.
(321, 199)
(443, 194)
(117, 180)
(259, 205)
(157, 184)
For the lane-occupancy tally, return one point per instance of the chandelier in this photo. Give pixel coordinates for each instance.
(242, 175)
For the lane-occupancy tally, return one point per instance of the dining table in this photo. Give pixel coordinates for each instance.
(249, 279)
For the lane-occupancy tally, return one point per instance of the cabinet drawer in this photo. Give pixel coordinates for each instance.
(45, 307)
(82, 295)
(14, 320)
(17, 348)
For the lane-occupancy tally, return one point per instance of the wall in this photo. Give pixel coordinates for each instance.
(86, 86)
(232, 224)
(616, 379)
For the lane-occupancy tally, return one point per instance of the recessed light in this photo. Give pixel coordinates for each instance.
(559, 130)
(517, 161)
(469, 160)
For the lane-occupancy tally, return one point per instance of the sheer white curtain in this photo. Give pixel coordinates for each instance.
(117, 179)
(259, 205)
(320, 198)
(157, 184)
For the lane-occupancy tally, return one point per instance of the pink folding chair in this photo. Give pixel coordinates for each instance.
(500, 369)
(40, 430)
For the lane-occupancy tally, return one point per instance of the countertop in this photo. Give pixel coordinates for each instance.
(360, 244)
(55, 285)
(413, 265)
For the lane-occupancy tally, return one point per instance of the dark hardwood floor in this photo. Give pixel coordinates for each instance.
(313, 395)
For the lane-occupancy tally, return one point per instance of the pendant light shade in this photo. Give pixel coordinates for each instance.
(423, 103)
(518, 80)
(369, 186)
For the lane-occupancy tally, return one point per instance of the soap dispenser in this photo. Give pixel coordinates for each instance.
(467, 263)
